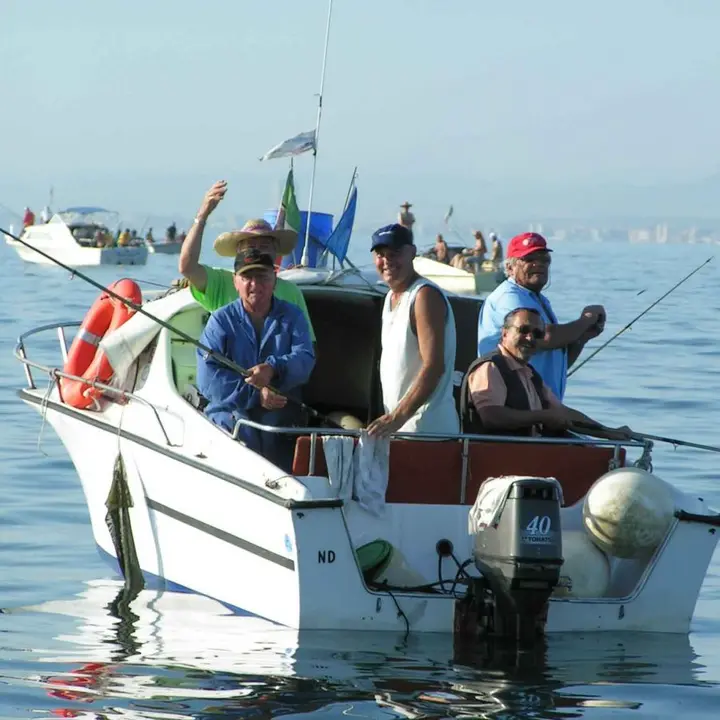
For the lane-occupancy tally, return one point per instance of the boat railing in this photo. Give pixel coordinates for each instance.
(55, 373)
(464, 438)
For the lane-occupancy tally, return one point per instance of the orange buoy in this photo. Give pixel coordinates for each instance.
(84, 360)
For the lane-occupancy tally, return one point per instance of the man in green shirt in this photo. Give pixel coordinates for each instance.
(214, 288)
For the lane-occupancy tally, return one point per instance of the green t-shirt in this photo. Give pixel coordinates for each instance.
(220, 291)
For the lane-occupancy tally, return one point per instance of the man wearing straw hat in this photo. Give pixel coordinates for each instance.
(214, 288)
(405, 217)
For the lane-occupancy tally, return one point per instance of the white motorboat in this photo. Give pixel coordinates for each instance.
(460, 282)
(213, 517)
(69, 237)
(164, 248)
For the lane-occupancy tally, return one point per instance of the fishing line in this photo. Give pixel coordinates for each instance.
(635, 319)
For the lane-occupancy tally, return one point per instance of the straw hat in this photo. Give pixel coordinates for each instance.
(406, 205)
(228, 243)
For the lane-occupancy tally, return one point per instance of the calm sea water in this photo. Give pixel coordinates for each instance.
(63, 652)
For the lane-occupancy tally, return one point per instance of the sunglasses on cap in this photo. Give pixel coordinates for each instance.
(537, 333)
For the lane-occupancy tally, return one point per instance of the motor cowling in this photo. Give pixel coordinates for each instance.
(519, 553)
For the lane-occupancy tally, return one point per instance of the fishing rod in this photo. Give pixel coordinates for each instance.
(188, 338)
(635, 319)
(673, 441)
(587, 428)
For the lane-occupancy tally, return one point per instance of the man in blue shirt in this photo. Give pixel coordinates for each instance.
(527, 266)
(271, 338)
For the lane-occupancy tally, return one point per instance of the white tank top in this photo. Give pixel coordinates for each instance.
(400, 363)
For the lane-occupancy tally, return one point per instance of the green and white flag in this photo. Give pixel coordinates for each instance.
(288, 217)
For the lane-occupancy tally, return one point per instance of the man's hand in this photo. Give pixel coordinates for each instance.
(212, 198)
(260, 376)
(594, 316)
(272, 401)
(385, 425)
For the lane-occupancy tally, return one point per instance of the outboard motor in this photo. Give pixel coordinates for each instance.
(518, 549)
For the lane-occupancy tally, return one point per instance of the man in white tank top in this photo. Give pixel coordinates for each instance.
(418, 343)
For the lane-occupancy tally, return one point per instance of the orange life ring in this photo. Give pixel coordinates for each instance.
(84, 360)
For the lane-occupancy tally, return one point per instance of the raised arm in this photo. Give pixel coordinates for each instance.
(575, 334)
(189, 264)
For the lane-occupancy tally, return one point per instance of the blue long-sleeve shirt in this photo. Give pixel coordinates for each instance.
(284, 344)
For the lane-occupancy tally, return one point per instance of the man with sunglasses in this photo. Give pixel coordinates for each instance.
(270, 337)
(527, 266)
(502, 393)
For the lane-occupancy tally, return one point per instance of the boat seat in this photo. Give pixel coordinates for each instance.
(429, 472)
(183, 353)
(184, 367)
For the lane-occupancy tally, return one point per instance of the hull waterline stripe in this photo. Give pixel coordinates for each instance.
(222, 535)
(82, 416)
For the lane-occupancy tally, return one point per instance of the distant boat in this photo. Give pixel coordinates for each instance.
(460, 282)
(69, 236)
(164, 248)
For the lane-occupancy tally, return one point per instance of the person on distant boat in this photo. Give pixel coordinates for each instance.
(214, 287)
(418, 343)
(149, 239)
(270, 337)
(440, 251)
(171, 232)
(28, 218)
(496, 250)
(502, 393)
(45, 215)
(470, 259)
(527, 267)
(99, 238)
(124, 239)
(405, 217)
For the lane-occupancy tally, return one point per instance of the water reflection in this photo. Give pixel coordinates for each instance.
(181, 656)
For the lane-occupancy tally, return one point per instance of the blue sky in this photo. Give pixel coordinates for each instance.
(499, 108)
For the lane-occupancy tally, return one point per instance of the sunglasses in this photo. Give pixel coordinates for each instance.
(537, 333)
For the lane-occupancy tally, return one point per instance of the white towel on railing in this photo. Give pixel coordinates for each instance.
(371, 471)
(359, 472)
(339, 452)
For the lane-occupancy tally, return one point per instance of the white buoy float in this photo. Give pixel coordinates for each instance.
(628, 511)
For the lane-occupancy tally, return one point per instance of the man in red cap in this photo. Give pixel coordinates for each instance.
(527, 266)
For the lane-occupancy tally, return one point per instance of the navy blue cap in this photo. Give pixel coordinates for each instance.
(394, 236)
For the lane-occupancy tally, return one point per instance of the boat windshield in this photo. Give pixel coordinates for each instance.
(95, 217)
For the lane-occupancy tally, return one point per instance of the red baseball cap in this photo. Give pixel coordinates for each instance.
(526, 243)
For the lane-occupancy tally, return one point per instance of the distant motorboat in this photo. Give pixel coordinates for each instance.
(164, 248)
(69, 236)
(460, 282)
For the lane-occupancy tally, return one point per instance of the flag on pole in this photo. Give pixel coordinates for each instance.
(293, 146)
(448, 214)
(339, 240)
(288, 217)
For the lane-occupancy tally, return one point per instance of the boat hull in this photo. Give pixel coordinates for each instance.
(60, 245)
(459, 282)
(294, 565)
(164, 248)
